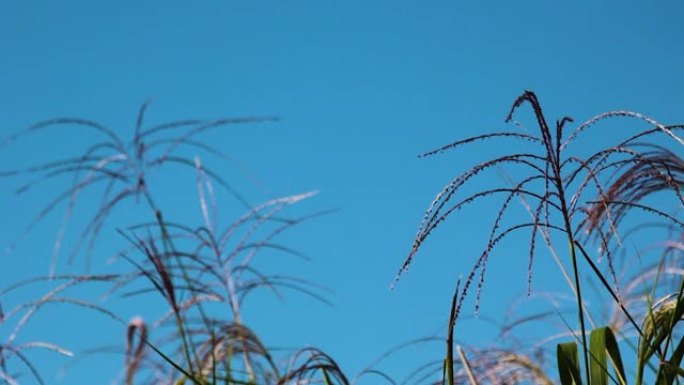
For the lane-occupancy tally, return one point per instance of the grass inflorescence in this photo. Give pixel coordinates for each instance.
(583, 198)
(594, 201)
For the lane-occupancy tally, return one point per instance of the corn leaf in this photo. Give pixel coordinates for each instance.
(603, 345)
(568, 364)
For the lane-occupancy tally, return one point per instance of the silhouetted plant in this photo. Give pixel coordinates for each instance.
(204, 273)
(584, 198)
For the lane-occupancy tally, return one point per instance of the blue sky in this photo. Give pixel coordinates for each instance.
(361, 88)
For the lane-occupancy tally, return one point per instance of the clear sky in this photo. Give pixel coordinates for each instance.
(361, 88)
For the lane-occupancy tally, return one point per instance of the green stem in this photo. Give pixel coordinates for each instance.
(580, 311)
(573, 254)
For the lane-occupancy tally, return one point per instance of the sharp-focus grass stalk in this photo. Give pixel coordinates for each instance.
(589, 195)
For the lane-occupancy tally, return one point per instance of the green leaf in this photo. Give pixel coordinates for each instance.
(670, 369)
(568, 364)
(603, 345)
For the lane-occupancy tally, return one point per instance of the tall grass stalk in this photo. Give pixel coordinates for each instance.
(203, 272)
(584, 198)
